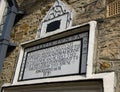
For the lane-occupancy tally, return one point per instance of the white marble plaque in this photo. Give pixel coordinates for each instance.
(65, 56)
(54, 61)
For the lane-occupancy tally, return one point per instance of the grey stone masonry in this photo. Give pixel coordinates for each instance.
(107, 36)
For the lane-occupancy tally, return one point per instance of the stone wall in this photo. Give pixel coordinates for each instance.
(108, 58)
(108, 35)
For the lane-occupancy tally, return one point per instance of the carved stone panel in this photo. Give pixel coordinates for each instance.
(59, 15)
(65, 56)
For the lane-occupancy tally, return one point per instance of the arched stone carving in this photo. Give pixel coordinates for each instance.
(58, 18)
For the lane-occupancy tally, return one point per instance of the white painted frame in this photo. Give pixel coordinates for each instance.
(62, 26)
(2, 8)
(3, 4)
(108, 78)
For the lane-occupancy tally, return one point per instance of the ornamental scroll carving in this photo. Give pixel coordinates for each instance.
(59, 11)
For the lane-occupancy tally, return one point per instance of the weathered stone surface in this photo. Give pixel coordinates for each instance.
(109, 46)
(109, 40)
(8, 67)
(104, 65)
(87, 11)
(108, 37)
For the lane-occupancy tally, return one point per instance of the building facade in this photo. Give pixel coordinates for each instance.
(105, 16)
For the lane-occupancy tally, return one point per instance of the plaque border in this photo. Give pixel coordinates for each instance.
(80, 58)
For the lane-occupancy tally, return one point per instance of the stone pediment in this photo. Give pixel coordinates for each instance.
(57, 19)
